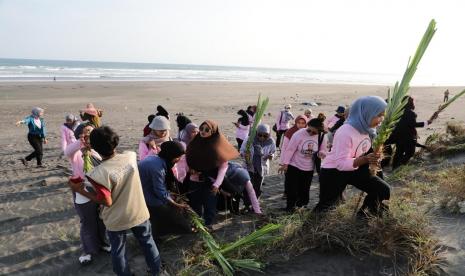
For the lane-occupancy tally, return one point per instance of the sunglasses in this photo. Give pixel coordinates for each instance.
(263, 135)
(204, 129)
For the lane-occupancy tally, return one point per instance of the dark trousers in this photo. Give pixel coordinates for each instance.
(333, 182)
(239, 143)
(298, 187)
(279, 134)
(167, 219)
(202, 200)
(92, 228)
(143, 234)
(36, 143)
(404, 151)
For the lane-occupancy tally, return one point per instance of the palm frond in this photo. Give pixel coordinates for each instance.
(261, 108)
(252, 238)
(396, 99)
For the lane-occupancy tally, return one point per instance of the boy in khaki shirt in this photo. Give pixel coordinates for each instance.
(118, 187)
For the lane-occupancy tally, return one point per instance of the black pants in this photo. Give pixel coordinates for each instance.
(333, 182)
(202, 200)
(36, 143)
(167, 219)
(279, 134)
(298, 187)
(404, 151)
(239, 143)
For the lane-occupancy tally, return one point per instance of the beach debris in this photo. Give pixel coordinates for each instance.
(310, 103)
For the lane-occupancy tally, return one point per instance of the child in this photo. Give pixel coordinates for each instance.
(349, 159)
(35, 136)
(117, 184)
(242, 128)
(298, 162)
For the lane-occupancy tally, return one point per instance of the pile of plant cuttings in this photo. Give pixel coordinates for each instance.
(446, 144)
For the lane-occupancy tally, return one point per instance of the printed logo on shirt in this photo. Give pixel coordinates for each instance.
(308, 148)
(118, 175)
(363, 147)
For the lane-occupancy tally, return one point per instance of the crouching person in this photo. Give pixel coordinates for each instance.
(118, 187)
(156, 174)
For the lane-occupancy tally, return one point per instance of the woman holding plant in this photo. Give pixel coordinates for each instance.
(350, 157)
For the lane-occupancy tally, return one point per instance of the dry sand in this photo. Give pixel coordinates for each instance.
(39, 229)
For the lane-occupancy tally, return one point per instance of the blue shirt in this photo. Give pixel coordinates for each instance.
(152, 171)
(33, 129)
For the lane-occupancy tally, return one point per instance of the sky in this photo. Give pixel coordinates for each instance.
(365, 36)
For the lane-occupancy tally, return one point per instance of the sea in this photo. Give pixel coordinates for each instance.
(69, 70)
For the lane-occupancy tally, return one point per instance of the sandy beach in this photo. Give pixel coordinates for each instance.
(39, 228)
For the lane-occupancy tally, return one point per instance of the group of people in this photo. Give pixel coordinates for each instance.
(200, 171)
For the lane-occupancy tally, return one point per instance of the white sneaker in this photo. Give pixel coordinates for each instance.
(85, 259)
(106, 248)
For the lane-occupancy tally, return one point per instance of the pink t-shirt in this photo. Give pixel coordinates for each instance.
(348, 144)
(144, 150)
(331, 121)
(242, 132)
(299, 151)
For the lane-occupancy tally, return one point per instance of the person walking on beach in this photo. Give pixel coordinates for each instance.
(262, 150)
(36, 135)
(91, 114)
(349, 159)
(92, 230)
(298, 162)
(118, 187)
(282, 123)
(446, 95)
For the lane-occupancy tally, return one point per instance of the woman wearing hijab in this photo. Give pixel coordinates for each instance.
(298, 162)
(349, 159)
(188, 133)
(261, 152)
(156, 175)
(299, 123)
(35, 136)
(150, 144)
(282, 123)
(242, 127)
(207, 157)
(182, 121)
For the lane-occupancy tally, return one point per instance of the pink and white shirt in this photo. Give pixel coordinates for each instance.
(348, 144)
(299, 151)
(331, 121)
(242, 132)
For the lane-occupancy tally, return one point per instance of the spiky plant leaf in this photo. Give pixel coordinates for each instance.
(261, 108)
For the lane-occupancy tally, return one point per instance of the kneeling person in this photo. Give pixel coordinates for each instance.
(156, 174)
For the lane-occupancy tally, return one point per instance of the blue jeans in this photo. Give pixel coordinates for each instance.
(143, 234)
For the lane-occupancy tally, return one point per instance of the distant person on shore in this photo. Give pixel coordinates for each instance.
(54, 79)
(36, 135)
(242, 127)
(282, 123)
(92, 230)
(446, 95)
(160, 133)
(117, 186)
(91, 114)
(349, 159)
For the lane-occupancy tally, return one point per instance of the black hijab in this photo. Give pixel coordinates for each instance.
(244, 119)
(182, 121)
